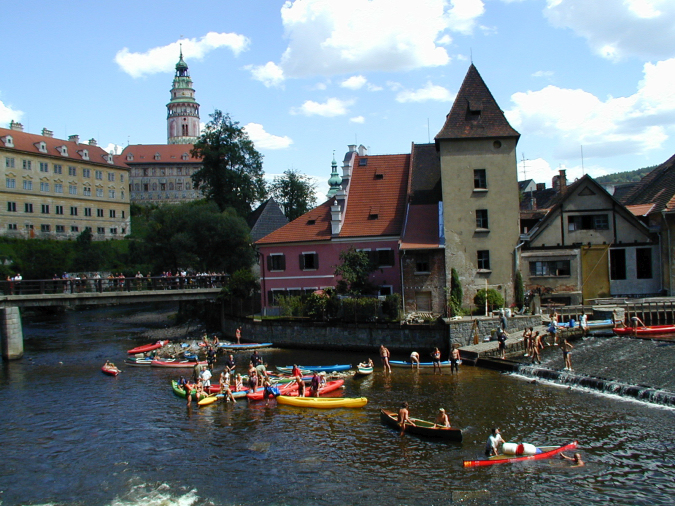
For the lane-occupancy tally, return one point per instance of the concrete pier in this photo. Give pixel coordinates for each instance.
(12, 333)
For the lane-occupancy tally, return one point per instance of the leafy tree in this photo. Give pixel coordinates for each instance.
(294, 192)
(494, 299)
(354, 271)
(519, 290)
(241, 285)
(456, 293)
(626, 177)
(231, 173)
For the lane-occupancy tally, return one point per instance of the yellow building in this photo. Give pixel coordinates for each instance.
(56, 189)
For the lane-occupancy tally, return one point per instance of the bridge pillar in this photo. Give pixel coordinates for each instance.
(12, 333)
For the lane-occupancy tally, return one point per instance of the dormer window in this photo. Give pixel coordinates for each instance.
(379, 175)
(63, 150)
(311, 221)
(473, 111)
(184, 156)
(363, 162)
(157, 156)
(85, 154)
(9, 142)
(109, 158)
(374, 213)
(130, 157)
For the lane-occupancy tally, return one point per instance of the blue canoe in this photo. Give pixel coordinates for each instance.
(243, 346)
(401, 363)
(317, 368)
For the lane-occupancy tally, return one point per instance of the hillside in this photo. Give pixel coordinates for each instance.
(626, 177)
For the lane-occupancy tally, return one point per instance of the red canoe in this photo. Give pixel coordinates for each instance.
(169, 362)
(651, 330)
(547, 452)
(147, 347)
(291, 389)
(110, 370)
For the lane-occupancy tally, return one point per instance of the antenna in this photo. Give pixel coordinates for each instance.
(583, 172)
(523, 160)
(471, 54)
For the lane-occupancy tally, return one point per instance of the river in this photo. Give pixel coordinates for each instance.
(73, 436)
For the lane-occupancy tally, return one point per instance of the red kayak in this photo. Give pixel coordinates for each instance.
(110, 370)
(647, 331)
(147, 347)
(544, 452)
(170, 362)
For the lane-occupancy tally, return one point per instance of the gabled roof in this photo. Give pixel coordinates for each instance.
(657, 188)
(266, 219)
(160, 154)
(311, 226)
(475, 113)
(30, 144)
(542, 199)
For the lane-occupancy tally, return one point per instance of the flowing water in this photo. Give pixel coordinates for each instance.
(71, 435)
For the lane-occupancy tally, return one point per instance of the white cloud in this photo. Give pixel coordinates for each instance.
(164, 58)
(113, 148)
(265, 140)
(615, 29)
(358, 119)
(634, 124)
(428, 92)
(354, 82)
(8, 114)
(542, 172)
(328, 37)
(330, 108)
(269, 74)
(543, 73)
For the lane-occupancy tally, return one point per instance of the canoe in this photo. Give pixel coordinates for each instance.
(243, 346)
(147, 347)
(648, 331)
(323, 402)
(181, 393)
(363, 371)
(285, 389)
(291, 389)
(421, 427)
(172, 362)
(543, 452)
(401, 363)
(110, 370)
(315, 368)
(133, 361)
(591, 324)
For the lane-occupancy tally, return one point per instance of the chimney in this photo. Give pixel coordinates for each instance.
(562, 179)
(74, 138)
(541, 186)
(47, 133)
(352, 148)
(363, 151)
(92, 142)
(14, 125)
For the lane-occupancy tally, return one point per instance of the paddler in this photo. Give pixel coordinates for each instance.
(442, 419)
(494, 440)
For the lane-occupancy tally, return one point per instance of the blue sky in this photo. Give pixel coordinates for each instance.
(309, 77)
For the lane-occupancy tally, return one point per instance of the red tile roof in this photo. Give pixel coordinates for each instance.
(29, 143)
(168, 153)
(421, 230)
(657, 188)
(312, 226)
(475, 112)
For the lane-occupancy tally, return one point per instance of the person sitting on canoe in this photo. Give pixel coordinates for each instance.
(442, 419)
(224, 380)
(576, 459)
(415, 360)
(494, 441)
(238, 383)
(227, 392)
(404, 417)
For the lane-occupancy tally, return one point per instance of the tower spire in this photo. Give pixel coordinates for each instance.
(335, 180)
(182, 109)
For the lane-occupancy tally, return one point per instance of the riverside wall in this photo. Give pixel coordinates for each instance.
(368, 337)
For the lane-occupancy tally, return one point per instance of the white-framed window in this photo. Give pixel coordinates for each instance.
(58, 188)
(86, 191)
(111, 176)
(59, 209)
(11, 207)
(99, 192)
(100, 230)
(10, 182)
(483, 260)
(9, 162)
(86, 173)
(44, 208)
(384, 257)
(60, 229)
(44, 167)
(28, 165)
(111, 194)
(58, 168)
(112, 213)
(99, 174)
(72, 171)
(309, 261)
(27, 185)
(87, 211)
(27, 207)
(99, 213)
(276, 262)
(44, 187)
(72, 189)
(73, 211)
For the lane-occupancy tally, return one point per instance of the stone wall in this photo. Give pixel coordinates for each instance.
(12, 333)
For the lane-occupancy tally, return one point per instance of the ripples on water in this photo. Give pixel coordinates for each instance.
(71, 435)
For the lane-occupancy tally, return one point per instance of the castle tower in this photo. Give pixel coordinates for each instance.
(182, 111)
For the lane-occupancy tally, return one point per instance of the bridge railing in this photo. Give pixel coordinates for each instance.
(101, 285)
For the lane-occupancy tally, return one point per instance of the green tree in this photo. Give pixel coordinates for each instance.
(494, 299)
(456, 293)
(294, 192)
(519, 290)
(354, 273)
(231, 173)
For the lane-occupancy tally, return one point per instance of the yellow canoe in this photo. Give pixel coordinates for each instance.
(323, 402)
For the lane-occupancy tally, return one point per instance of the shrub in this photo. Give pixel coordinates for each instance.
(391, 307)
(494, 299)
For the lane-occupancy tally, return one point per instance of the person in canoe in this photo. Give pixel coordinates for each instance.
(269, 391)
(414, 360)
(227, 392)
(575, 459)
(436, 360)
(404, 417)
(442, 419)
(187, 386)
(385, 355)
(494, 441)
(224, 380)
(252, 378)
(110, 365)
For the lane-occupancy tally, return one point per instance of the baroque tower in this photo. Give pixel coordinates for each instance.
(182, 110)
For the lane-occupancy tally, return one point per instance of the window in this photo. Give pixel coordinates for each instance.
(72, 171)
(99, 192)
(86, 191)
(479, 179)
(27, 165)
(58, 168)
(73, 211)
(309, 261)
(588, 222)
(146, 187)
(44, 187)
(482, 218)
(59, 209)
(72, 189)
(276, 262)
(11, 226)
(28, 226)
(45, 228)
(111, 176)
(113, 231)
(111, 194)
(45, 208)
(99, 213)
(9, 163)
(27, 185)
(273, 296)
(383, 258)
(74, 228)
(179, 187)
(27, 208)
(11, 207)
(122, 213)
(170, 186)
(100, 230)
(86, 173)
(483, 260)
(162, 187)
(10, 182)
(617, 261)
(58, 188)
(60, 229)
(87, 211)
(550, 268)
(44, 167)
(121, 178)
(99, 174)
(112, 213)
(422, 263)
(643, 263)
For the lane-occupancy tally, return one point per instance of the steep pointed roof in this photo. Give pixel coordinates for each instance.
(475, 112)
(267, 218)
(657, 188)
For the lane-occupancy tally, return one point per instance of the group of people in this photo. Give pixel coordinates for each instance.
(495, 441)
(442, 419)
(435, 355)
(534, 342)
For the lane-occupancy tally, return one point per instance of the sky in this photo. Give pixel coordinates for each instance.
(589, 85)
